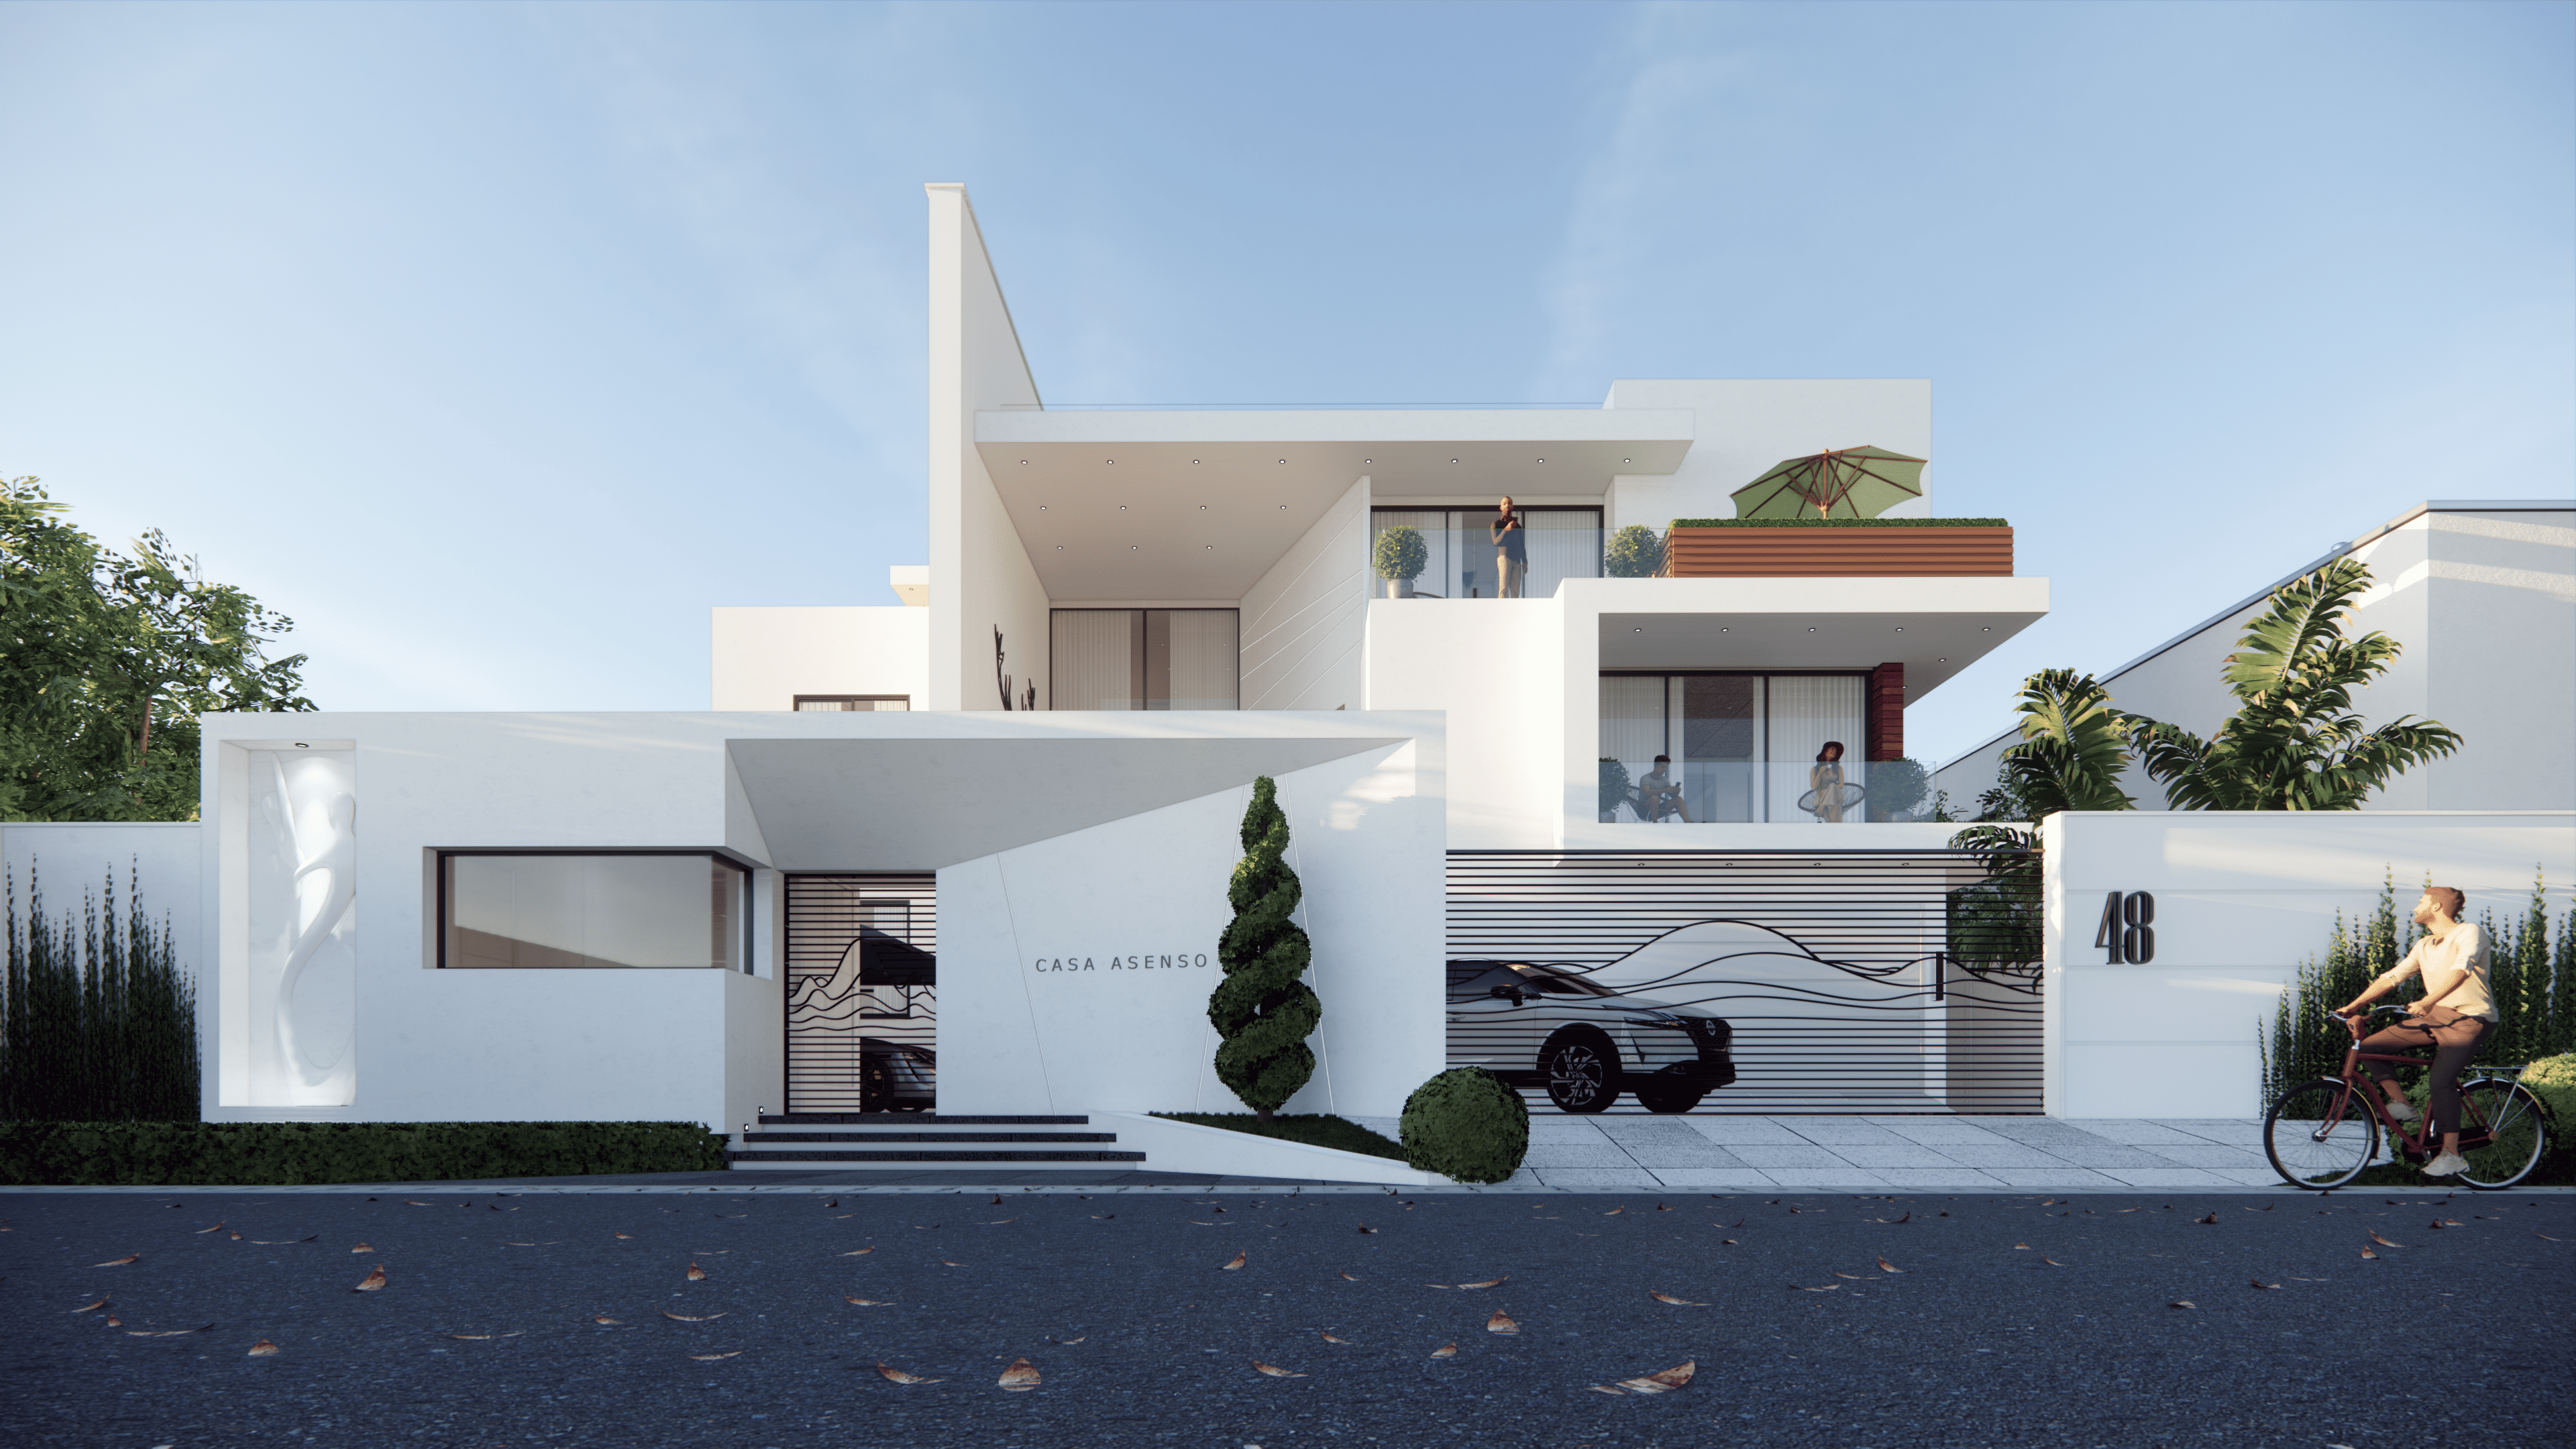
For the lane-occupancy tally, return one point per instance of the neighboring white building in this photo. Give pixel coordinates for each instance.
(2482, 597)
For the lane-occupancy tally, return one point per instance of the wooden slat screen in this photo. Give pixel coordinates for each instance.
(825, 915)
(1722, 553)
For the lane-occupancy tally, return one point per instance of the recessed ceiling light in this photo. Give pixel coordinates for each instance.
(1940, 661)
(1112, 462)
(1042, 508)
(1122, 507)
(1627, 460)
(1024, 462)
(1211, 548)
(1368, 460)
(1283, 507)
(1542, 460)
(1811, 630)
(1194, 460)
(1721, 628)
(1202, 508)
(1131, 548)
(1453, 460)
(1900, 628)
(1988, 629)
(1059, 548)
(1283, 460)
(1641, 628)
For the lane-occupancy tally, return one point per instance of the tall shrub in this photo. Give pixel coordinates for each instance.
(1262, 1009)
(98, 1020)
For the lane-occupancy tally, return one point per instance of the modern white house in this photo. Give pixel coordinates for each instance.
(957, 862)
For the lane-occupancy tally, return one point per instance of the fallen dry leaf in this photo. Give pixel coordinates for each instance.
(1726, 1242)
(372, 1281)
(1679, 1302)
(217, 1228)
(2259, 1283)
(415, 1203)
(1501, 1322)
(165, 1332)
(91, 1307)
(1488, 1283)
(1328, 1336)
(118, 1262)
(2021, 1247)
(696, 1273)
(2212, 1219)
(2446, 1222)
(621, 1235)
(868, 1302)
(2182, 1303)
(263, 1349)
(1888, 1267)
(997, 1222)
(2383, 1242)
(712, 1357)
(237, 1237)
(364, 1248)
(1346, 1275)
(1275, 1371)
(1237, 1263)
(1659, 1207)
(1053, 1339)
(1662, 1383)
(1828, 1288)
(898, 1376)
(858, 1253)
(1614, 1212)
(1448, 1350)
(483, 1337)
(685, 1318)
(1855, 1277)
(604, 1318)
(2052, 1262)
(2546, 1236)
(2368, 1254)
(1365, 1228)
(280, 1242)
(1019, 1377)
(950, 1263)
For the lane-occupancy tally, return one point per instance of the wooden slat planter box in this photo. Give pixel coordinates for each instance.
(1771, 553)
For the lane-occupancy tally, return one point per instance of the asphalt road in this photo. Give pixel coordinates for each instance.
(2012, 1322)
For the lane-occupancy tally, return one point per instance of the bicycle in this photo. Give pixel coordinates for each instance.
(2322, 1134)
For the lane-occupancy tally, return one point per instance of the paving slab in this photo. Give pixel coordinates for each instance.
(1547, 1155)
(1824, 1177)
(1594, 1177)
(2169, 1177)
(1808, 1157)
(1922, 1177)
(1729, 1131)
(1842, 1131)
(2005, 1155)
(1699, 1154)
(1898, 1156)
(2128, 1129)
(1734, 1177)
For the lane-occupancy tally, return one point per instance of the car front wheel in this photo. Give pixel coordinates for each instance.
(1582, 1073)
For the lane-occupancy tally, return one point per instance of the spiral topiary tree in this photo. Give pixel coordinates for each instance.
(1262, 1008)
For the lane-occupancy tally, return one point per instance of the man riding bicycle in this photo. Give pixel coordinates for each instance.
(2454, 1017)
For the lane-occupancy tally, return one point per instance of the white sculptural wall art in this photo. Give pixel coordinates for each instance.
(303, 928)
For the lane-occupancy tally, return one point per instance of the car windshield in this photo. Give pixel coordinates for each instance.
(1556, 983)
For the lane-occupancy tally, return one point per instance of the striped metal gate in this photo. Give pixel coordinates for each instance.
(1831, 971)
(862, 999)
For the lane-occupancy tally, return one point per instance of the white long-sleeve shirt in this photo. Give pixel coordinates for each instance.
(2464, 951)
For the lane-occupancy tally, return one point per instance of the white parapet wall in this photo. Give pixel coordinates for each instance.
(2240, 899)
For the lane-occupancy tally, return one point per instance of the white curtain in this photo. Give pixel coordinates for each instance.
(1204, 659)
(1094, 660)
(1562, 545)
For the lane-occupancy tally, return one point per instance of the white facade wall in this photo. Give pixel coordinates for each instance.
(1747, 425)
(764, 658)
(983, 580)
(2241, 899)
(2483, 599)
(1302, 625)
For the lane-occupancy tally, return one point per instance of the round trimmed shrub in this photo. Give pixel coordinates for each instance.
(1400, 553)
(1634, 552)
(1465, 1124)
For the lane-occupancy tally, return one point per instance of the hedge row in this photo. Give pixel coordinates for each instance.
(1841, 523)
(229, 1154)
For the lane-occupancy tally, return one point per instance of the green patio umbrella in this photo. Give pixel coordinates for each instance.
(1836, 483)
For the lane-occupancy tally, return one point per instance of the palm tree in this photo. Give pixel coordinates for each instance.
(2070, 757)
(2294, 742)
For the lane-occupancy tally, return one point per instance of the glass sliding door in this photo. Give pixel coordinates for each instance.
(1145, 659)
(1561, 543)
(1743, 747)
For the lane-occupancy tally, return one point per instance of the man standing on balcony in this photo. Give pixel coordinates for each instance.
(1511, 554)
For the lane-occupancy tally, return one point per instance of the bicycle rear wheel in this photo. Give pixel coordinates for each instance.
(2320, 1134)
(2518, 1134)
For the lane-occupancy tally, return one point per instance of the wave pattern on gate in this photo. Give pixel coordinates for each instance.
(835, 1003)
(1832, 969)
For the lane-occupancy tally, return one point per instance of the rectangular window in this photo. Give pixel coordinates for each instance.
(1144, 659)
(1562, 542)
(565, 909)
(830, 702)
(1742, 747)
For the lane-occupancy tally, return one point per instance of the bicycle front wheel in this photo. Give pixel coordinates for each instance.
(2517, 1134)
(2320, 1134)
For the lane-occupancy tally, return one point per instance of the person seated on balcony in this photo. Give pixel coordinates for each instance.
(1659, 794)
(1826, 781)
(1511, 554)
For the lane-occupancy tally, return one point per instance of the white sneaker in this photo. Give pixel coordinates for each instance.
(2449, 1164)
(2400, 1111)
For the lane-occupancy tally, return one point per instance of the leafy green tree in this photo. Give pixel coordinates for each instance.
(106, 661)
(1262, 1008)
(2294, 742)
(1634, 552)
(2070, 757)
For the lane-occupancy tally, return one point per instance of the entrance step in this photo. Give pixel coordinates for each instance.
(924, 1140)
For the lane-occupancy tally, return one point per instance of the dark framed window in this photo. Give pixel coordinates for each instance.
(827, 703)
(589, 910)
(1144, 659)
(1741, 746)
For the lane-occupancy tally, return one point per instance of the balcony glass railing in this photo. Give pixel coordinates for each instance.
(1561, 544)
(1743, 791)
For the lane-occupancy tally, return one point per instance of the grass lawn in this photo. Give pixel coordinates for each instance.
(1321, 1129)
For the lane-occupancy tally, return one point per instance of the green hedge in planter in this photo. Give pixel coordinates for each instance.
(1841, 523)
(225, 1154)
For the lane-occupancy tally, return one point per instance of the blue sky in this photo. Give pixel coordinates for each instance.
(498, 343)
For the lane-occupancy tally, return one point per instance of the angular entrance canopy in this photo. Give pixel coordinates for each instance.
(1836, 483)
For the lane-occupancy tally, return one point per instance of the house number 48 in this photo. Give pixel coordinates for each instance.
(2128, 929)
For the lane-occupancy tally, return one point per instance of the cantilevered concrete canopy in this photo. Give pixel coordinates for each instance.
(1199, 505)
(1934, 627)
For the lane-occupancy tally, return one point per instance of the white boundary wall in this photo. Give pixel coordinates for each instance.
(2241, 898)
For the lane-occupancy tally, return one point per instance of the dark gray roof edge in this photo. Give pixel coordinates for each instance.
(2434, 505)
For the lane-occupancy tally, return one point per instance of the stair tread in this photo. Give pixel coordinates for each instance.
(738, 1155)
(897, 1119)
(899, 1138)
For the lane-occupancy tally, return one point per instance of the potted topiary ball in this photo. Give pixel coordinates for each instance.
(1465, 1124)
(1634, 552)
(1400, 558)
